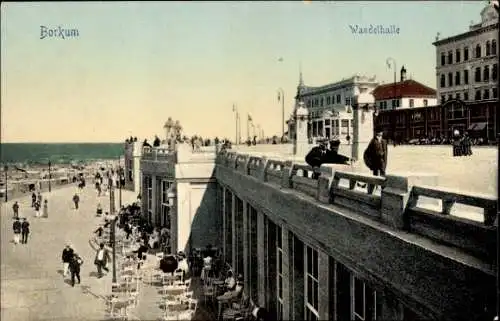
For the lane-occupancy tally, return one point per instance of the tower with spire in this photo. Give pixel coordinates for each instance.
(300, 88)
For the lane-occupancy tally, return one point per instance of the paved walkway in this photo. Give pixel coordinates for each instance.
(32, 286)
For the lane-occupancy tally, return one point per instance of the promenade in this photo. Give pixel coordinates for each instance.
(32, 286)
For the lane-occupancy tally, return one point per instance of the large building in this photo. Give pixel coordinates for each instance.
(467, 64)
(407, 93)
(330, 106)
(133, 152)
(467, 89)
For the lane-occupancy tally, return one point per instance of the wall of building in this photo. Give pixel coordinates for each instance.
(387, 104)
(198, 222)
(486, 34)
(405, 276)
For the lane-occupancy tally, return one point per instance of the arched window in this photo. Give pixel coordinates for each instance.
(487, 48)
(486, 94)
(466, 53)
(443, 59)
(493, 47)
(478, 95)
(478, 51)
(486, 73)
(443, 81)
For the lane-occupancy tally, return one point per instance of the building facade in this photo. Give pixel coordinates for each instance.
(330, 106)
(467, 64)
(179, 192)
(406, 93)
(133, 152)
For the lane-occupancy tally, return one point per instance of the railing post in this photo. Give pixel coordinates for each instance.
(232, 161)
(396, 195)
(325, 183)
(286, 175)
(246, 165)
(263, 165)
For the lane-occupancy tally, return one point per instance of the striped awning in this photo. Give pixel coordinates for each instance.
(477, 126)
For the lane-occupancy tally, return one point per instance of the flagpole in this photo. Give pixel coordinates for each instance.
(248, 126)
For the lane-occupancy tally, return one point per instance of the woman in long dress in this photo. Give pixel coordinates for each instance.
(45, 209)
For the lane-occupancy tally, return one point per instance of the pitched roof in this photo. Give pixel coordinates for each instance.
(407, 88)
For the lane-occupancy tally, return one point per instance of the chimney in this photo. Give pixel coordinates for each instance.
(403, 73)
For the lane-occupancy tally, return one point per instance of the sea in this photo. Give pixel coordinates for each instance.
(58, 153)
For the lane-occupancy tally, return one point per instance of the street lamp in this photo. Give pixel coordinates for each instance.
(50, 178)
(388, 61)
(120, 174)
(281, 95)
(236, 116)
(6, 168)
(113, 221)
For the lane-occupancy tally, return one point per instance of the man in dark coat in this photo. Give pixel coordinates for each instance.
(74, 267)
(333, 156)
(375, 155)
(316, 157)
(25, 231)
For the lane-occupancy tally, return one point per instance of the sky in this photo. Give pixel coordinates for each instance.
(134, 64)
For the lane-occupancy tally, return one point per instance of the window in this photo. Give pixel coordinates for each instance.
(486, 94)
(493, 47)
(457, 56)
(457, 78)
(363, 301)
(321, 102)
(279, 275)
(316, 102)
(478, 95)
(466, 53)
(478, 51)
(487, 48)
(494, 72)
(450, 57)
(477, 76)
(443, 60)
(328, 100)
(450, 97)
(443, 99)
(457, 96)
(495, 93)
(312, 284)
(338, 99)
(309, 103)
(466, 77)
(165, 186)
(348, 101)
(412, 103)
(443, 81)
(486, 73)
(450, 79)
(426, 103)
(466, 96)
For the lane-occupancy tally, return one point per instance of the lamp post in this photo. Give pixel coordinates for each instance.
(120, 180)
(50, 178)
(281, 95)
(388, 61)
(236, 116)
(6, 168)
(113, 247)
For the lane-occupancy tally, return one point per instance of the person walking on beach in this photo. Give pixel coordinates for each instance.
(67, 255)
(76, 200)
(15, 208)
(33, 199)
(74, 267)
(37, 209)
(16, 226)
(25, 231)
(45, 209)
(101, 260)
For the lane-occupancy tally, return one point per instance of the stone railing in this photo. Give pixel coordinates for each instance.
(399, 201)
(478, 238)
(157, 154)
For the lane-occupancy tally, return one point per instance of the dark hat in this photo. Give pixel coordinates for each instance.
(240, 277)
(335, 141)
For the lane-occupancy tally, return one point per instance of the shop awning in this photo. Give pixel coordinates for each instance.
(477, 126)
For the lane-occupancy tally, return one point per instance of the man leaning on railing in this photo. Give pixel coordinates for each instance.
(322, 155)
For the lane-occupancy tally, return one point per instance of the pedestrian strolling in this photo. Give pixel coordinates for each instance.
(74, 267)
(101, 260)
(15, 208)
(37, 209)
(25, 230)
(45, 209)
(375, 155)
(99, 209)
(76, 200)
(67, 255)
(33, 199)
(16, 226)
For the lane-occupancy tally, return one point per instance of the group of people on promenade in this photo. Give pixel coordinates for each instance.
(375, 155)
(462, 144)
